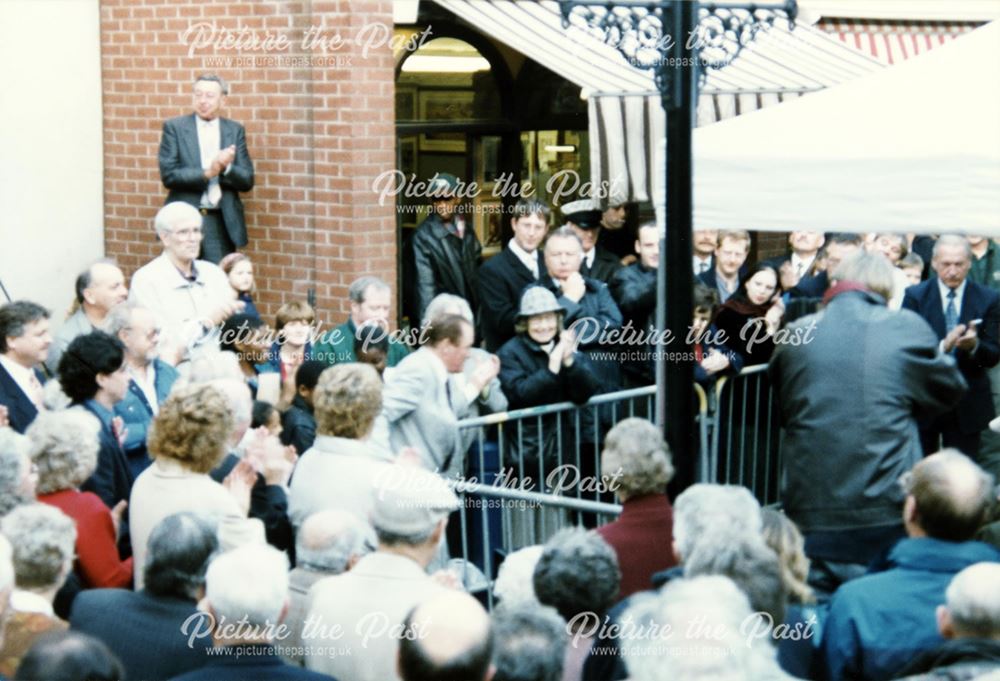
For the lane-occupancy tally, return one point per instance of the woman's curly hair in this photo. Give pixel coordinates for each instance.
(347, 399)
(192, 428)
(64, 446)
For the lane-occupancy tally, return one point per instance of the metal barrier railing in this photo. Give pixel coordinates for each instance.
(549, 457)
(738, 444)
(490, 498)
(746, 434)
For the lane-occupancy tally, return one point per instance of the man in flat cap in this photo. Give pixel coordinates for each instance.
(444, 252)
(584, 218)
(370, 603)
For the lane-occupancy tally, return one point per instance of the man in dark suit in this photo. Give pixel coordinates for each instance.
(585, 221)
(504, 277)
(24, 344)
(966, 318)
(806, 296)
(204, 162)
(797, 265)
(145, 628)
(246, 598)
(703, 243)
(590, 310)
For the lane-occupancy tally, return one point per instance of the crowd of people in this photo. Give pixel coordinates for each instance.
(190, 492)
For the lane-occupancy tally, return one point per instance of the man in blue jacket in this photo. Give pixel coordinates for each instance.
(150, 378)
(878, 622)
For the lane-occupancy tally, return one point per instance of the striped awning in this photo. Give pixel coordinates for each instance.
(893, 42)
(626, 120)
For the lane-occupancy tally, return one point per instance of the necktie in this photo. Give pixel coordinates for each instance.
(702, 266)
(37, 395)
(950, 312)
(798, 270)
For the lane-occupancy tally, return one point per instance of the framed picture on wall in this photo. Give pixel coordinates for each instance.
(438, 106)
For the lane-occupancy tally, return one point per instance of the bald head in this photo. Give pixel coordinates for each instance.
(100, 287)
(332, 541)
(948, 496)
(451, 639)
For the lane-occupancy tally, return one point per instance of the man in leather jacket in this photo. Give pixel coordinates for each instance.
(445, 249)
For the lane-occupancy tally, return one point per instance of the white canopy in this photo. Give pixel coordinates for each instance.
(911, 148)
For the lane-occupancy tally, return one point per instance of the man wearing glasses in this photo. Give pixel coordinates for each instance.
(150, 378)
(190, 297)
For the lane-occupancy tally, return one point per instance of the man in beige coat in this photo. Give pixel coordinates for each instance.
(356, 620)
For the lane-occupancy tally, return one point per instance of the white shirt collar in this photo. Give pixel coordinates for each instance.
(530, 260)
(805, 262)
(25, 601)
(588, 256)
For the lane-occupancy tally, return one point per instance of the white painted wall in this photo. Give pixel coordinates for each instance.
(51, 165)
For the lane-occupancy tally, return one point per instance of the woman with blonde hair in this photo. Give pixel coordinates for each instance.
(186, 441)
(64, 447)
(797, 655)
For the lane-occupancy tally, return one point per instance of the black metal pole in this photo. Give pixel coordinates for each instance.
(677, 375)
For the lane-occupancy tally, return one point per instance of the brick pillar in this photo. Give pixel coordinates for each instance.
(319, 128)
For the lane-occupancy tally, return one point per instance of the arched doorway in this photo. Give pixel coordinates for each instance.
(453, 115)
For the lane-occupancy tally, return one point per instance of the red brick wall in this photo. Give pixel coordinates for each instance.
(319, 131)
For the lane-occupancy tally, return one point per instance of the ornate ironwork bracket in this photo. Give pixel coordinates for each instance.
(642, 31)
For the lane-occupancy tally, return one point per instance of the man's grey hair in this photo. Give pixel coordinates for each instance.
(872, 270)
(514, 578)
(746, 560)
(250, 581)
(327, 540)
(15, 454)
(213, 78)
(65, 446)
(356, 291)
(973, 601)
(43, 538)
(446, 303)
(684, 607)
(171, 214)
(577, 574)
(529, 643)
(704, 506)
(119, 317)
(946, 240)
(564, 232)
(177, 555)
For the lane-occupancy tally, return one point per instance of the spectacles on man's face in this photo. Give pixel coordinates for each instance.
(187, 233)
